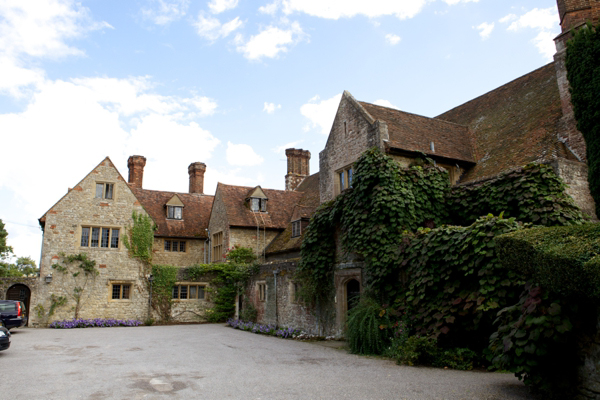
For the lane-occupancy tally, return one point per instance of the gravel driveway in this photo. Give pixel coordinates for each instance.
(216, 362)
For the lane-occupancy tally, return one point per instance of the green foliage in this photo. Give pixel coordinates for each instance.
(249, 312)
(417, 350)
(77, 276)
(563, 260)
(140, 237)
(535, 341)
(241, 255)
(583, 70)
(55, 302)
(164, 278)
(461, 358)
(456, 284)
(5, 250)
(368, 328)
(533, 193)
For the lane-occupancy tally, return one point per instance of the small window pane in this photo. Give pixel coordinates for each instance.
(95, 236)
(99, 190)
(175, 292)
(263, 205)
(105, 236)
(254, 204)
(183, 291)
(193, 292)
(342, 180)
(85, 237)
(350, 173)
(116, 292)
(175, 246)
(109, 191)
(178, 212)
(167, 245)
(201, 292)
(114, 241)
(182, 246)
(126, 290)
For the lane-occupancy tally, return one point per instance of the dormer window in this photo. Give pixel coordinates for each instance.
(174, 212)
(257, 204)
(296, 228)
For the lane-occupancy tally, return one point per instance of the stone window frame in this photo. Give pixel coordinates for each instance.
(343, 178)
(217, 247)
(121, 284)
(294, 288)
(170, 246)
(105, 190)
(178, 285)
(173, 214)
(261, 290)
(101, 229)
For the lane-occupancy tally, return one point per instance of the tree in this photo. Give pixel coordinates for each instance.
(583, 72)
(26, 266)
(5, 250)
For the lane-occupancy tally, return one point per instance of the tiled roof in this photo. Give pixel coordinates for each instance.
(413, 132)
(514, 124)
(280, 205)
(196, 212)
(304, 209)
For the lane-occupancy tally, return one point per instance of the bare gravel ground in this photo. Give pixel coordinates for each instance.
(216, 362)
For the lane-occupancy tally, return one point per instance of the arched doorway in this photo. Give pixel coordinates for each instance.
(352, 293)
(20, 292)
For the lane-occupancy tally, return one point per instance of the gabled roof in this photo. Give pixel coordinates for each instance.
(514, 124)
(284, 242)
(196, 212)
(42, 220)
(279, 207)
(415, 133)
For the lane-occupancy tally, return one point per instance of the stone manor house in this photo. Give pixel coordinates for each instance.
(527, 120)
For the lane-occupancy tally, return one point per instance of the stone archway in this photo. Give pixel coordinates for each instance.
(347, 291)
(22, 293)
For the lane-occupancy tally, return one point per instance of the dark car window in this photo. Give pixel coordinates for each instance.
(8, 307)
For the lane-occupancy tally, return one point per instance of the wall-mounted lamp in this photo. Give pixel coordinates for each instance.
(48, 278)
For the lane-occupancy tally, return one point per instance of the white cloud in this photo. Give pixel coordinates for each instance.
(543, 21)
(392, 39)
(211, 28)
(242, 155)
(271, 107)
(218, 6)
(281, 149)
(270, 9)
(453, 2)
(321, 113)
(485, 30)
(335, 9)
(385, 103)
(269, 42)
(163, 12)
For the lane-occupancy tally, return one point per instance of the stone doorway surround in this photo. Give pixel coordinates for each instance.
(341, 279)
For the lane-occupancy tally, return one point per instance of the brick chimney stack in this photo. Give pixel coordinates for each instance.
(196, 171)
(573, 14)
(298, 167)
(136, 170)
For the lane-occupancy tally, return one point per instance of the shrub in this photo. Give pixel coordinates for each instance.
(456, 358)
(417, 350)
(368, 328)
(249, 312)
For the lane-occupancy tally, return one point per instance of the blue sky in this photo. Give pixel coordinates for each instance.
(231, 83)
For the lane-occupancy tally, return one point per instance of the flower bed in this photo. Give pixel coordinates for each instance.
(268, 329)
(93, 323)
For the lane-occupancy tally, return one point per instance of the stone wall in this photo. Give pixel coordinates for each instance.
(247, 237)
(194, 252)
(218, 222)
(575, 175)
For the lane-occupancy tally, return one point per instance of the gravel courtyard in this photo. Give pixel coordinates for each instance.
(216, 362)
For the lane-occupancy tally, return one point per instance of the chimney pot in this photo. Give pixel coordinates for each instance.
(196, 171)
(136, 170)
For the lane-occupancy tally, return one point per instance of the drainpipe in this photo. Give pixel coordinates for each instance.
(207, 243)
(275, 272)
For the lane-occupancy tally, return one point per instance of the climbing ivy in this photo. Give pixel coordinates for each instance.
(80, 275)
(533, 193)
(140, 237)
(583, 69)
(164, 278)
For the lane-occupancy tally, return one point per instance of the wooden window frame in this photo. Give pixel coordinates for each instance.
(169, 246)
(296, 228)
(188, 285)
(114, 234)
(343, 178)
(217, 247)
(108, 188)
(172, 214)
(121, 285)
(258, 204)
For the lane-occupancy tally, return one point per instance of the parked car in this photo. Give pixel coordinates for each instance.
(4, 339)
(13, 314)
